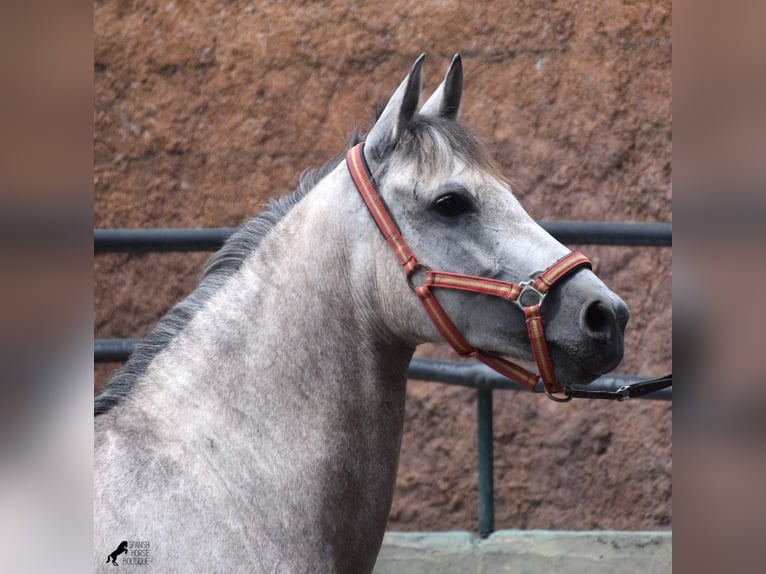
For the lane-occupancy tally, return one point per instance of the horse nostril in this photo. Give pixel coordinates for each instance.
(597, 319)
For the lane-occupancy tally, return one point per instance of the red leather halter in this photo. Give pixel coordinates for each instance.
(519, 294)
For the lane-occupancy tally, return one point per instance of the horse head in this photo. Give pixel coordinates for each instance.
(458, 214)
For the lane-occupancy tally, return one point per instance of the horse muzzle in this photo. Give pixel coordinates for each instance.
(586, 335)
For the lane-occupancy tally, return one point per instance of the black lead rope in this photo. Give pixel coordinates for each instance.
(623, 393)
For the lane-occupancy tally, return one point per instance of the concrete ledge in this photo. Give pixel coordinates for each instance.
(526, 552)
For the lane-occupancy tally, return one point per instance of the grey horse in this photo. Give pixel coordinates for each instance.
(257, 427)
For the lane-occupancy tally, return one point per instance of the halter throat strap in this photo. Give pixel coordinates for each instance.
(423, 281)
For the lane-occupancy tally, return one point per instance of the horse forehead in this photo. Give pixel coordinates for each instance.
(432, 175)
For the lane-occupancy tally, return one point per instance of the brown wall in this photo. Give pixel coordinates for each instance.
(204, 110)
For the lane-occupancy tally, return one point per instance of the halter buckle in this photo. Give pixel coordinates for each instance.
(527, 287)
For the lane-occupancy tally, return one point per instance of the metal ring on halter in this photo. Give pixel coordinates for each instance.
(413, 271)
(564, 399)
(528, 287)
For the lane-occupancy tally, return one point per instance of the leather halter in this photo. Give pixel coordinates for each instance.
(423, 280)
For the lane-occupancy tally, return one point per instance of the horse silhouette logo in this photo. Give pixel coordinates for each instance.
(121, 549)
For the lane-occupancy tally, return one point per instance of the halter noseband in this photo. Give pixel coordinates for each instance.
(516, 293)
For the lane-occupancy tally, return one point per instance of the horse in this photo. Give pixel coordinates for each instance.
(121, 549)
(257, 427)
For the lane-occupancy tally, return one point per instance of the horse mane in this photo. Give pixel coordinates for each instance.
(221, 265)
(420, 139)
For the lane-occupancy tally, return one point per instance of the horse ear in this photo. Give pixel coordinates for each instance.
(445, 101)
(398, 112)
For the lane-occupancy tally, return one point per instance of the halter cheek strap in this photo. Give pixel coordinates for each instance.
(423, 286)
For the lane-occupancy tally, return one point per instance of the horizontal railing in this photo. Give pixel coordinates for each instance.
(211, 238)
(468, 373)
(465, 373)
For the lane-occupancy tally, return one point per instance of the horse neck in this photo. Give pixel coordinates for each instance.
(297, 321)
(318, 293)
(286, 389)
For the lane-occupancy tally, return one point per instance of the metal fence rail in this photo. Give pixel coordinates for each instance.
(211, 238)
(465, 373)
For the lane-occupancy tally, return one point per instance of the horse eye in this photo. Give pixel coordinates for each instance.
(451, 204)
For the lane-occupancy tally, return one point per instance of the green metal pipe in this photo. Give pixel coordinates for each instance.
(486, 464)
